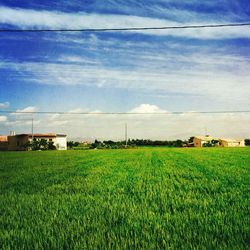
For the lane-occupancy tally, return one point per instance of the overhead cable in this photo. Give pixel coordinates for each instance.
(126, 113)
(128, 28)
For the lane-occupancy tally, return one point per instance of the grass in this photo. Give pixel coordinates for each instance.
(148, 198)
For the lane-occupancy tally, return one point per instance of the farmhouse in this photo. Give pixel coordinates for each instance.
(199, 141)
(231, 142)
(19, 142)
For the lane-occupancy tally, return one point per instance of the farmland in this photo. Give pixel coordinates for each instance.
(145, 198)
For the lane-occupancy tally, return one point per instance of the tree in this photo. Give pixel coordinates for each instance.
(178, 143)
(51, 145)
(109, 142)
(96, 144)
(43, 144)
(35, 145)
(70, 144)
(207, 144)
(28, 146)
(191, 139)
(247, 142)
(215, 142)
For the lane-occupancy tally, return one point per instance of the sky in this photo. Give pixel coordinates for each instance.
(191, 70)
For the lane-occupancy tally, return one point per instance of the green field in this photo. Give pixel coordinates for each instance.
(146, 198)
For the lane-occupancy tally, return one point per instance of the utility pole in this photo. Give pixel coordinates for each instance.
(126, 135)
(32, 129)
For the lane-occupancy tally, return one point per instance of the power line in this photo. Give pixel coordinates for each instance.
(130, 28)
(125, 113)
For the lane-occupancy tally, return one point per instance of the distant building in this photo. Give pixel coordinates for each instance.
(231, 142)
(85, 143)
(19, 142)
(199, 141)
(3, 143)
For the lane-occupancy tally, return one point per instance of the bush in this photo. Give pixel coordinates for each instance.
(41, 144)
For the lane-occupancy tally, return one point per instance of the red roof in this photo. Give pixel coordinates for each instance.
(42, 135)
(38, 135)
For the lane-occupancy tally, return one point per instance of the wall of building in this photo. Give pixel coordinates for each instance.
(61, 142)
(47, 138)
(17, 143)
(197, 142)
(3, 145)
(232, 143)
(3, 142)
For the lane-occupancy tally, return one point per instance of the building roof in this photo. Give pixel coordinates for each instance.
(42, 135)
(3, 138)
(205, 138)
(231, 140)
(61, 135)
(37, 135)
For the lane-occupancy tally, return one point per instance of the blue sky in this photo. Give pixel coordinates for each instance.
(150, 71)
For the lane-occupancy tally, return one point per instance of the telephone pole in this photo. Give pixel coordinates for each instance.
(126, 135)
(32, 129)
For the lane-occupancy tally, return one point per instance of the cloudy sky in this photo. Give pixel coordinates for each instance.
(190, 70)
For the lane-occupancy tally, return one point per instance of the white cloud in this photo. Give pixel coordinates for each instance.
(48, 19)
(220, 77)
(153, 125)
(25, 112)
(3, 118)
(4, 105)
(70, 118)
(75, 59)
(147, 108)
(27, 109)
(22, 124)
(78, 110)
(57, 124)
(24, 18)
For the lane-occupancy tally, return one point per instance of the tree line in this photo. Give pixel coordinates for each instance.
(43, 144)
(140, 143)
(130, 143)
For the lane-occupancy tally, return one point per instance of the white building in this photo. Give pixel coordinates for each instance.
(19, 142)
(199, 141)
(61, 142)
(231, 142)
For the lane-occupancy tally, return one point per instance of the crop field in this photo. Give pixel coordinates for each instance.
(145, 198)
